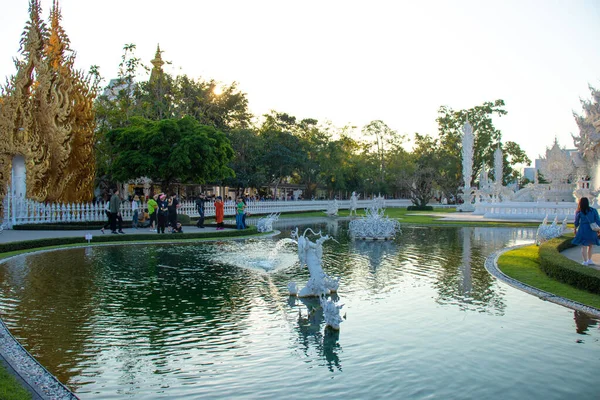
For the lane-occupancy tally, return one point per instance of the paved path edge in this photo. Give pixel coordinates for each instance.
(491, 265)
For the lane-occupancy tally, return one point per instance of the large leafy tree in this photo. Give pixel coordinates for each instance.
(169, 151)
(161, 98)
(282, 155)
(487, 139)
(384, 139)
(247, 163)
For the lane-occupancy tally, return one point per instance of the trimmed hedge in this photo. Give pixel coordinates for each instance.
(184, 219)
(566, 270)
(419, 208)
(135, 237)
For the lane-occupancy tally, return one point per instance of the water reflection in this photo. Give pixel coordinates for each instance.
(375, 251)
(311, 335)
(196, 318)
(583, 322)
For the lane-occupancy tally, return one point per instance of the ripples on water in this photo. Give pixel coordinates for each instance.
(213, 320)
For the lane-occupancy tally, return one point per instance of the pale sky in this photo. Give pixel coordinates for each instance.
(351, 62)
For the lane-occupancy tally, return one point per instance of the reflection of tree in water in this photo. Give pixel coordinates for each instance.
(583, 322)
(135, 298)
(311, 335)
(375, 250)
(51, 302)
(463, 280)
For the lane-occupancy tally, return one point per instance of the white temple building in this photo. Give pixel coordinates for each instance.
(569, 175)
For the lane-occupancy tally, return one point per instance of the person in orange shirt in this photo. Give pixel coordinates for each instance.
(219, 212)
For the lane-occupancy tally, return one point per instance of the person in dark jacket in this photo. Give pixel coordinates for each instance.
(200, 201)
(115, 212)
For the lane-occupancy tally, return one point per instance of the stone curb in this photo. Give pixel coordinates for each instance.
(491, 265)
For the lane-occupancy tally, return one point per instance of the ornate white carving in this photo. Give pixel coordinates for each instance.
(546, 232)
(265, 224)
(467, 165)
(332, 208)
(498, 166)
(311, 255)
(331, 312)
(557, 166)
(588, 141)
(375, 226)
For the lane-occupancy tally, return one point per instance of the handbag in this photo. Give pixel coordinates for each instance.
(594, 226)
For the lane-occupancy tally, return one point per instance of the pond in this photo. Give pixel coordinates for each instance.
(423, 319)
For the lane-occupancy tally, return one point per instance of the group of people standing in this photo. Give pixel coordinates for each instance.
(162, 213)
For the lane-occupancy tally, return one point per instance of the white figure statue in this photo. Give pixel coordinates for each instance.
(353, 203)
(311, 254)
(332, 208)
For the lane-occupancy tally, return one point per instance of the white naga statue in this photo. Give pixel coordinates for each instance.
(546, 232)
(319, 284)
(265, 224)
(353, 203)
(311, 255)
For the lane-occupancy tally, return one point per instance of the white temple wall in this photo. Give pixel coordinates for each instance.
(595, 171)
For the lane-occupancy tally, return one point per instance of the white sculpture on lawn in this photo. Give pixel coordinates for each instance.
(319, 284)
(467, 166)
(332, 208)
(353, 203)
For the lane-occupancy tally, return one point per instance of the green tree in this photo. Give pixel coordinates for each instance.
(487, 138)
(169, 151)
(282, 155)
(384, 139)
(247, 162)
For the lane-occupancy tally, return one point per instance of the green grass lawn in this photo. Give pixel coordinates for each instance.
(10, 389)
(417, 217)
(523, 265)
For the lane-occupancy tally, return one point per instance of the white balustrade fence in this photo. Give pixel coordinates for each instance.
(19, 211)
(527, 210)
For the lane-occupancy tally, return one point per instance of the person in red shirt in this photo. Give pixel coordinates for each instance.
(219, 212)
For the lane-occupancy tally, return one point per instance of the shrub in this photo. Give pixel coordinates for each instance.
(419, 208)
(566, 270)
(184, 219)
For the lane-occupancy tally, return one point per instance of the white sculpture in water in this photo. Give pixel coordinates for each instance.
(311, 255)
(265, 224)
(467, 164)
(353, 203)
(375, 226)
(332, 208)
(546, 232)
(319, 284)
(331, 312)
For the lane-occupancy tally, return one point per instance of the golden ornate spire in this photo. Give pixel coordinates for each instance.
(157, 62)
(47, 116)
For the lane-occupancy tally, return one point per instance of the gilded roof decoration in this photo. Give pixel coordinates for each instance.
(46, 115)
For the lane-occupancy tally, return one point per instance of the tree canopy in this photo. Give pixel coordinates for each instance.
(170, 150)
